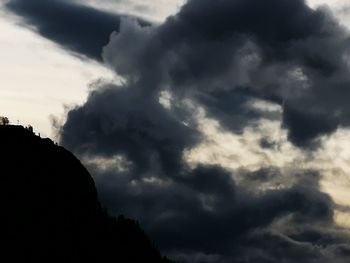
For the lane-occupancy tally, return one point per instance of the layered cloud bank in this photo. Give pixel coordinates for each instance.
(215, 140)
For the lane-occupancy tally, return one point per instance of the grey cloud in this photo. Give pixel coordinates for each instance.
(207, 212)
(289, 53)
(307, 125)
(124, 120)
(219, 55)
(191, 211)
(78, 28)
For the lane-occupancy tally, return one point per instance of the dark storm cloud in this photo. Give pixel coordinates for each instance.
(289, 53)
(201, 210)
(207, 212)
(282, 37)
(232, 107)
(123, 120)
(307, 125)
(221, 56)
(291, 250)
(221, 219)
(77, 28)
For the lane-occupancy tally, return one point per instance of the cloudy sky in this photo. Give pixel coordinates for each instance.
(222, 126)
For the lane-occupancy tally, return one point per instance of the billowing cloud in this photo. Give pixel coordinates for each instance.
(135, 125)
(297, 57)
(241, 64)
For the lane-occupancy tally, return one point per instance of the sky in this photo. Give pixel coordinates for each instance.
(222, 126)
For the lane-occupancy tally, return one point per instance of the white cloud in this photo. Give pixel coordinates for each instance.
(341, 9)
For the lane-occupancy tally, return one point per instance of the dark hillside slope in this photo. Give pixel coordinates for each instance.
(50, 211)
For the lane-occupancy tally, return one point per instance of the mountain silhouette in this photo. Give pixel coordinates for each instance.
(50, 210)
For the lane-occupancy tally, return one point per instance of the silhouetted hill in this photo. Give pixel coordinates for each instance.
(50, 211)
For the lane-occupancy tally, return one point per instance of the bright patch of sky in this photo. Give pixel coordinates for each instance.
(152, 10)
(341, 9)
(244, 151)
(38, 78)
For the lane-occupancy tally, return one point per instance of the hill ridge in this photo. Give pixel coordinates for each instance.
(51, 212)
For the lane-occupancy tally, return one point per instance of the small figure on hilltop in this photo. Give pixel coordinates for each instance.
(4, 120)
(30, 128)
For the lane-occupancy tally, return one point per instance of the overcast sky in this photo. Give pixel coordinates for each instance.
(224, 129)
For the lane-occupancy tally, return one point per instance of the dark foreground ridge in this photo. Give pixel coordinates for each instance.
(50, 211)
